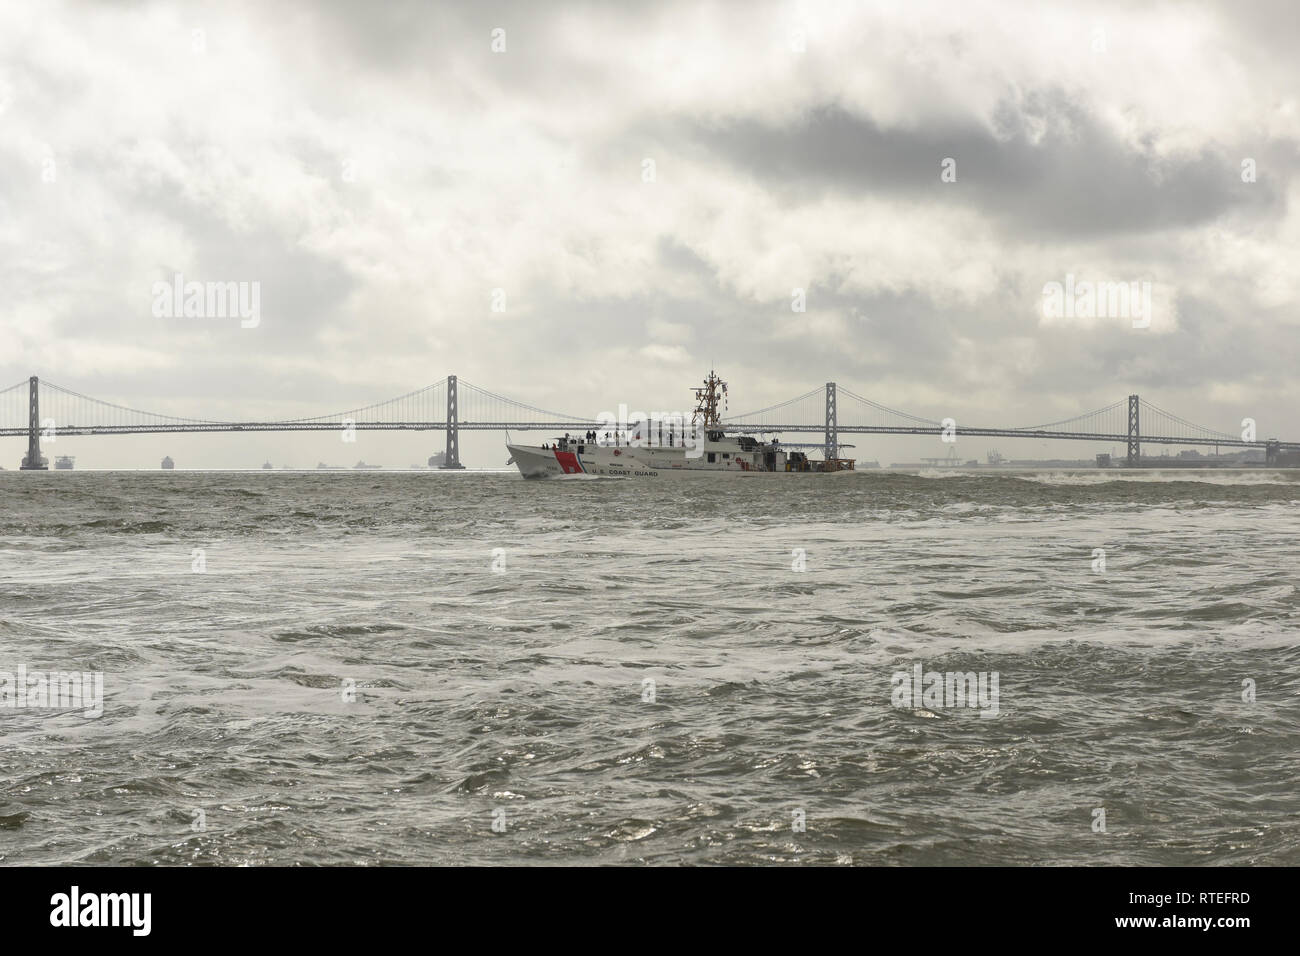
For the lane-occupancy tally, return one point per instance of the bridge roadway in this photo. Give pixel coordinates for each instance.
(572, 426)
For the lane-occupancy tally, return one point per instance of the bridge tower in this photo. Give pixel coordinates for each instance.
(1134, 436)
(452, 458)
(832, 425)
(33, 460)
(1272, 448)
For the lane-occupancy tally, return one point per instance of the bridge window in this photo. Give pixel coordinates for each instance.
(712, 457)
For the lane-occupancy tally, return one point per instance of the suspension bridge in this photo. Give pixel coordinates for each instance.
(35, 408)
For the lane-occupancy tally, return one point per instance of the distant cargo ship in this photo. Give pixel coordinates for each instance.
(267, 466)
(168, 464)
(362, 466)
(435, 461)
(65, 462)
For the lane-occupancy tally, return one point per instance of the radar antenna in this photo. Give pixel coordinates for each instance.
(708, 398)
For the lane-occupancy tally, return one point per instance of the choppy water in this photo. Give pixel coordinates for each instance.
(523, 688)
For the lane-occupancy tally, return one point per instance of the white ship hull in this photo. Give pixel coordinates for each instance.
(652, 463)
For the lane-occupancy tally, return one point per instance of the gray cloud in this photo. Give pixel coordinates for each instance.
(1048, 168)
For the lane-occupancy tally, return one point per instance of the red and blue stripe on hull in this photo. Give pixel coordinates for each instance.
(569, 462)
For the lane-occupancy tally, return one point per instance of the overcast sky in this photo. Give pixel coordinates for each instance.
(379, 169)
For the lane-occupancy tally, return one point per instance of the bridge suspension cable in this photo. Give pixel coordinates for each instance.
(13, 405)
(871, 413)
(1111, 420)
(422, 405)
(480, 405)
(1157, 421)
(73, 409)
(766, 416)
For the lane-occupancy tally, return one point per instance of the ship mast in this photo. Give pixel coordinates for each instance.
(707, 400)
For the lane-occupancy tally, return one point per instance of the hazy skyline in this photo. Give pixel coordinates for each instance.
(647, 187)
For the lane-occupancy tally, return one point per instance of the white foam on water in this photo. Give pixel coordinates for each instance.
(1168, 476)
